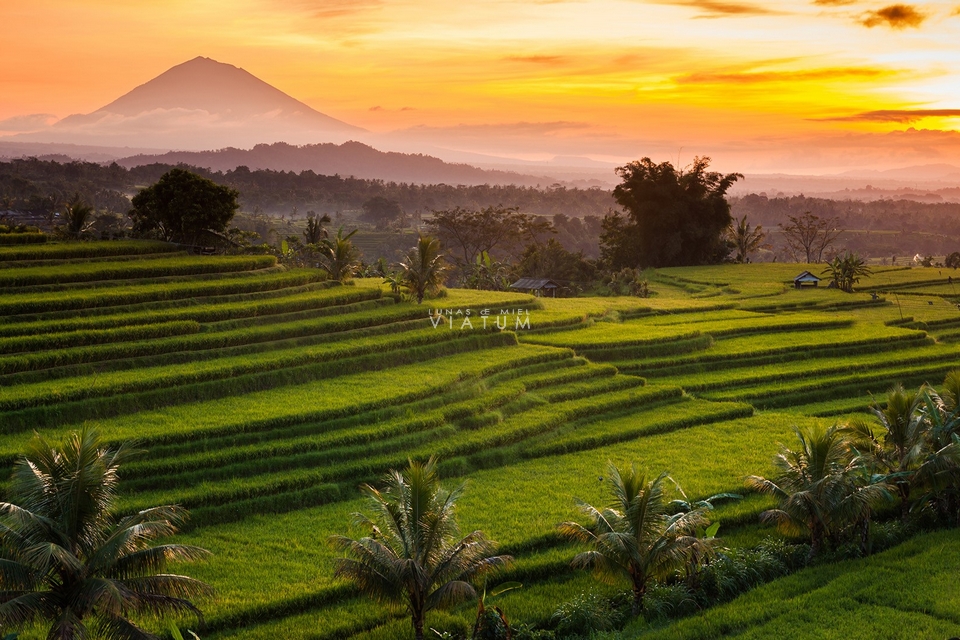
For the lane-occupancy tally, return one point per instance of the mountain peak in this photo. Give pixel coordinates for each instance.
(200, 104)
(204, 84)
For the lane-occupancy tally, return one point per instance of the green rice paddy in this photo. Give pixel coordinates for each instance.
(264, 396)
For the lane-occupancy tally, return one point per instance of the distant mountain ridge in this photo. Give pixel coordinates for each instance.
(348, 159)
(937, 172)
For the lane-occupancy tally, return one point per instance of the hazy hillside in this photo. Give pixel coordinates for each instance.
(347, 159)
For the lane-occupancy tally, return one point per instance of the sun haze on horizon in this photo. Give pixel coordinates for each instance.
(798, 85)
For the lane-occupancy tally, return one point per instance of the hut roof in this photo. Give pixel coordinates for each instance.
(806, 276)
(534, 283)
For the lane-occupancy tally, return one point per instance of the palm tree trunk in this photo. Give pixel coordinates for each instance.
(417, 619)
(816, 540)
(903, 489)
(639, 590)
(865, 534)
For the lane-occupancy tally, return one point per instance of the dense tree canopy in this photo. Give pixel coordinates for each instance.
(182, 207)
(673, 217)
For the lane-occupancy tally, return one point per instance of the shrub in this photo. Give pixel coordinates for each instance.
(585, 614)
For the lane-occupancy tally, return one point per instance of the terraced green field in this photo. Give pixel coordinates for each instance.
(264, 396)
(904, 593)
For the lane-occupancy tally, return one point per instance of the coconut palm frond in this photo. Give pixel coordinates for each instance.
(638, 536)
(77, 567)
(423, 269)
(415, 556)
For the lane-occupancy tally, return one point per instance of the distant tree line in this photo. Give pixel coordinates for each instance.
(879, 228)
(655, 232)
(45, 185)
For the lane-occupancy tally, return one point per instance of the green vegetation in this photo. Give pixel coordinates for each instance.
(183, 207)
(636, 537)
(265, 395)
(68, 561)
(673, 216)
(422, 270)
(414, 555)
(845, 600)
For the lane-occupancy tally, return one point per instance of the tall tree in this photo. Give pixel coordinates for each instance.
(183, 207)
(808, 236)
(673, 217)
(66, 558)
(423, 269)
(414, 554)
(636, 537)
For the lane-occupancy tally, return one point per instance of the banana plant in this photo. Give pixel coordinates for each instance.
(492, 624)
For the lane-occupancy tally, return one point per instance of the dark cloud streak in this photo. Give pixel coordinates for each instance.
(721, 9)
(902, 116)
(895, 16)
(538, 59)
(760, 77)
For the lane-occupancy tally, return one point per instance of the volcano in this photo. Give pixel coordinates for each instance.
(200, 104)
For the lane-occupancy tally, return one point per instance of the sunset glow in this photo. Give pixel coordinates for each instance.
(754, 84)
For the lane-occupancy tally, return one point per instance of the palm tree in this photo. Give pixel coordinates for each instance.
(951, 390)
(822, 487)
(746, 240)
(899, 448)
(65, 558)
(339, 257)
(939, 468)
(845, 271)
(315, 232)
(77, 215)
(423, 268)
(413, 554)
(635, 537)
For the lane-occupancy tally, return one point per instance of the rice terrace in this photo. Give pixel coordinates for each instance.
(262, 396)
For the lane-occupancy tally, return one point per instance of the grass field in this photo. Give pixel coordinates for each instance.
(263, 397)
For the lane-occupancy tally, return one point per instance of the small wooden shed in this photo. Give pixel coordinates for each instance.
(539, 286)
(806, 279)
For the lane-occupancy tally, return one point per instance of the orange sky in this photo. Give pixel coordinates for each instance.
(758, 85)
